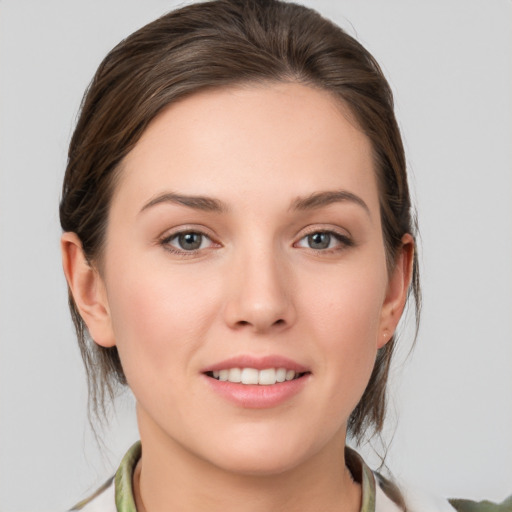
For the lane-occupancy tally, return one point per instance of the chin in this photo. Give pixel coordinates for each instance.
(262, 463)
(254, 455)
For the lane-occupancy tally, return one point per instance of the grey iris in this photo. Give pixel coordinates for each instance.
(319, 240)
(190, 241)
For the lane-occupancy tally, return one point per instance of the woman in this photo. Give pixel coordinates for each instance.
(239, 248)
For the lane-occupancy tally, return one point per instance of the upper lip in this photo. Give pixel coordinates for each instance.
(258, 363)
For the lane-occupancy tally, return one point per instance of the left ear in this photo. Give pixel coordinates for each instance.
(397, 290)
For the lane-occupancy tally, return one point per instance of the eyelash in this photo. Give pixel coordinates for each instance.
(343, 241)
(166, 242)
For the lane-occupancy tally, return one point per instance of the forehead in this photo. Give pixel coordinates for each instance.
(251, 139)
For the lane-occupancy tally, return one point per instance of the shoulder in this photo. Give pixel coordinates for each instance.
(482, 506)
(390, 497)
(418, 500)
(116, 493)
(103, 500)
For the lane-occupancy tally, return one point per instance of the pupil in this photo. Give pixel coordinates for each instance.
(319, 240)
(190, 241)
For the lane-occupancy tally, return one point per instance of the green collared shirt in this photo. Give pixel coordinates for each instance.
(116, 495)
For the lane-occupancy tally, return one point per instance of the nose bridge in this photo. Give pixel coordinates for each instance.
(259, 290)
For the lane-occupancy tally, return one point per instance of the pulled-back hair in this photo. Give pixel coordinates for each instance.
(212, 45)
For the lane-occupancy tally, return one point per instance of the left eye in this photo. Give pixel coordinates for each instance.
(321, 240)
(188, 241)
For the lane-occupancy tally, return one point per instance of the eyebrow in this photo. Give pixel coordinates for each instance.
(207, 204)
(321, 199)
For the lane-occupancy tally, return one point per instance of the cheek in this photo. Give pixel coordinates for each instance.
(344, 312)
(158, 319)
(347, 305)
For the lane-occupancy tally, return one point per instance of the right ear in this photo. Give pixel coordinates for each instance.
(88, 290)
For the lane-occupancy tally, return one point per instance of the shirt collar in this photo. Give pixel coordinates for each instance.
(125, 501)
(363, 475)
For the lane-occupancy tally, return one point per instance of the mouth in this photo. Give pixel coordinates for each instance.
(257, 382)
(253, 376)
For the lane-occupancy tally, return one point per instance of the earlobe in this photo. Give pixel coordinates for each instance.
(88, 290)
(397, 290)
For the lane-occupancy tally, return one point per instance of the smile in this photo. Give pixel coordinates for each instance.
(264, 377)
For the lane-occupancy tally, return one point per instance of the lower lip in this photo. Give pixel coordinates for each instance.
(253, 396)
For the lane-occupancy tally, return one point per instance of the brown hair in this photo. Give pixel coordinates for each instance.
(211, 45)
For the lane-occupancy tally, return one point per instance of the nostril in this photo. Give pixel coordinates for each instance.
(243, 323)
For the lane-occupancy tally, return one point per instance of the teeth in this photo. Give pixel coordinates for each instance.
(250, 376)
(235, 375)
(281, 374)
(266, 377)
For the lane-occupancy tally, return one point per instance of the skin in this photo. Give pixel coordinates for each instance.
(255, 287)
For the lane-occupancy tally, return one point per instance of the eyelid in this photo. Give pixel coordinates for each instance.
(324, 228)
(341, 235)
(170, 234)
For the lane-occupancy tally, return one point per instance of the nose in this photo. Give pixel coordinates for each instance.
(260, 296)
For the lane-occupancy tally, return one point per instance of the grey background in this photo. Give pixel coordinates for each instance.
(450, 65)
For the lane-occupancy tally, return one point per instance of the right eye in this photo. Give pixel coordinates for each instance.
(187, 241)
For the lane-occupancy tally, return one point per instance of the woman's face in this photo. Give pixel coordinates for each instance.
(244, 242)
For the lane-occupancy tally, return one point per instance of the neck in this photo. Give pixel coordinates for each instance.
(168, 477)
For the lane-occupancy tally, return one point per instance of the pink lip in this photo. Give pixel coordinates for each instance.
(259, 363)
(254, 396)
(251, 396)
